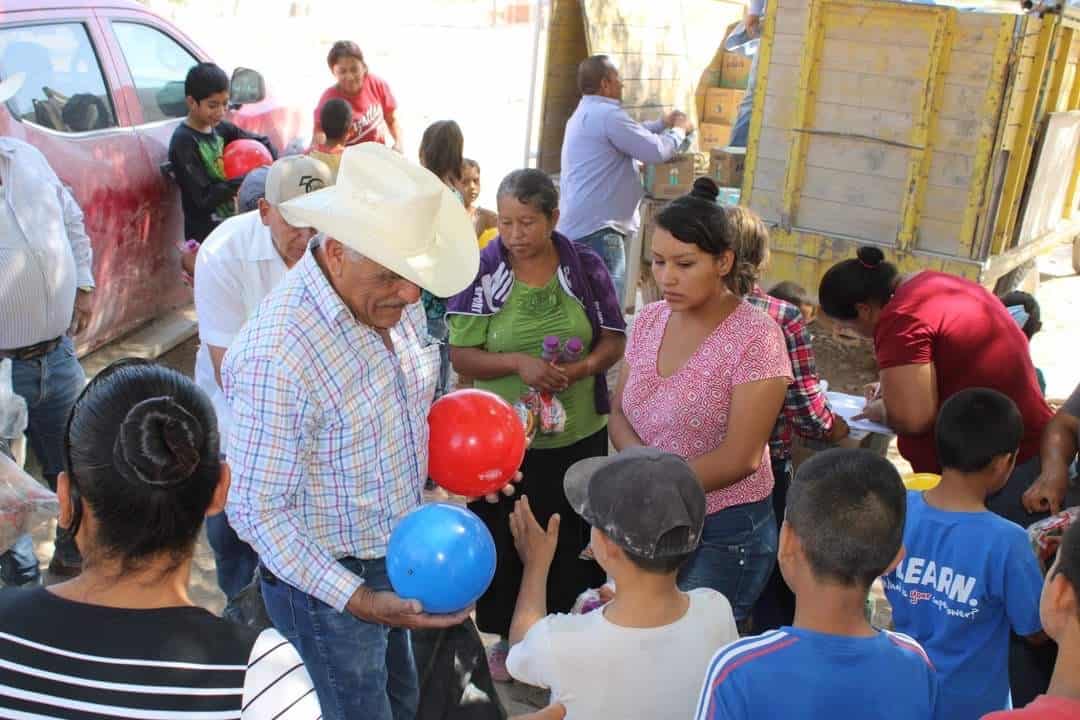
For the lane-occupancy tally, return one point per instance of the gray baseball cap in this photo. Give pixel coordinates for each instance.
(648, 501)
(289, 177)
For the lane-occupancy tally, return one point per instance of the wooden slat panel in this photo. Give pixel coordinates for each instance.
(951, 170)
(962, 100)
(775, 144)
(853, 190)
(874, 59)
(870, 91)
(976, 32)
(769, 175)
(881, 124)
(780, 111)
(839, 219)
(767, 204)
(939, 236)
(859, 156)
(968, 68)
(945, 204)
(787, 50)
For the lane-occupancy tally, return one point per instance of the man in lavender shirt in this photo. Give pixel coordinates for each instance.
(600, 185)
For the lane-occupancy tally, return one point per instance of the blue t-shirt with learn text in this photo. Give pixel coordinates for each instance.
(797, 673)
(966, 578)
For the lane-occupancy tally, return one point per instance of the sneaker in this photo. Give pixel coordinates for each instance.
(496, 658)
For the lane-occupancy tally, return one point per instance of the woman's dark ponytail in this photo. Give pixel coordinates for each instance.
(867, 278)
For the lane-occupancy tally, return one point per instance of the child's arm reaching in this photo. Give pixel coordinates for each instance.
(536, 546)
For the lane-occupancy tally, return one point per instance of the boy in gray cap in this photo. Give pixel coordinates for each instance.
(644, 653)
(240, 262)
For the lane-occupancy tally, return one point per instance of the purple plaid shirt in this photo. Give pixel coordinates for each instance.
(329, 444)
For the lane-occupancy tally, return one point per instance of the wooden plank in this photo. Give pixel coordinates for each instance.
(951, 170)
(792, 22)
(869, 91)
(859, 156)
(767, 204)
(976, 32)
(957, 135)
(871, 27)
(853, 190)
(969, 68)
(1047, 195)
(874, 59)
(775, 143)
(834, 218)
(881, 124)
(939, 236)
(769, 175)
(946, 204)
(962, 100)
(780, 111)
(788, 50)
(783, 81)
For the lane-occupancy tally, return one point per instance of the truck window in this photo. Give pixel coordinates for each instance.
(64, 88)
(158, 66)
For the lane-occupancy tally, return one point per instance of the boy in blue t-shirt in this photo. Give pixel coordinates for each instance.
(968, 575)
(842, 529)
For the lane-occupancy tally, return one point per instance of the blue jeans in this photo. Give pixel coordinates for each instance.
(49, 384)
(740, 133)
(610, 245)
(359, 669)
(235, 560)
(736, 555)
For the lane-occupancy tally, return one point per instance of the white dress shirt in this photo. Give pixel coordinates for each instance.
(45, 254)
(237, 267)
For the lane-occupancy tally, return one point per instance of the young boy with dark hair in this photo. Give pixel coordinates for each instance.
(1059, 610)
(195, 153)
(842, 529)
(641, 655)
(336, 119)
(969, 575)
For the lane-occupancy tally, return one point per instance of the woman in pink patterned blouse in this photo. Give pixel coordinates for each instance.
(705, 377)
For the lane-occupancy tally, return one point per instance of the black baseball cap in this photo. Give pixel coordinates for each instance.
(648, 501)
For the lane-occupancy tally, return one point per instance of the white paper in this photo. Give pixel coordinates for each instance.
(848, 406)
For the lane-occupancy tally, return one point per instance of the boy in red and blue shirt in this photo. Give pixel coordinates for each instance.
(843, 528)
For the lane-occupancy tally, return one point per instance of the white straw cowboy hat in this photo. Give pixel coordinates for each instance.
(10, 86)
(397, 214)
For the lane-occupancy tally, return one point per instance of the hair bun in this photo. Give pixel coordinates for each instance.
(705, 189)
(870, 257)
(158, 443)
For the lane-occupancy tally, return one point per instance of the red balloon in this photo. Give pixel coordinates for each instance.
(244, 155)
(476, 442)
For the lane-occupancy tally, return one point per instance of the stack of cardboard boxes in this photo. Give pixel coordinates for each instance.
(718, 99)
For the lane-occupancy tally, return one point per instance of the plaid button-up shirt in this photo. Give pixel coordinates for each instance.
(806, 408)
(329, 440)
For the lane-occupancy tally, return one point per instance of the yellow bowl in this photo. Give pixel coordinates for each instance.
(921, 481)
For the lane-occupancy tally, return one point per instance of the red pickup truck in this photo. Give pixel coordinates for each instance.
(104, 91)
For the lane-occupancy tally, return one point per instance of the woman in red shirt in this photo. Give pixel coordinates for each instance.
(934, 335)
(372, 101)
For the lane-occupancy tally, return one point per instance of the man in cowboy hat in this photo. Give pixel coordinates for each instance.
(330, 385)
(240, 262)
(46, 287)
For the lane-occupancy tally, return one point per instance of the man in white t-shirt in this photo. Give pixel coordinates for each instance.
(239, 263)
(643, 654)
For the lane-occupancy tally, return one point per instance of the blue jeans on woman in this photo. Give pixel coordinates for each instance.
(736, 555)
(359, 669)
(49, 384)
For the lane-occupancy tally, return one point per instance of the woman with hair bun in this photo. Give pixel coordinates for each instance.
(705, 377)
(934, 335)
(123, 639)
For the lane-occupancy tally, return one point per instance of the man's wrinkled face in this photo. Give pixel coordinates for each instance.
(375, 295)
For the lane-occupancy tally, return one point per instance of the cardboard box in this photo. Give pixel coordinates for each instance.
(671, 179)
(726, 166)
(722, 105)
(713, 135)
(734, 70)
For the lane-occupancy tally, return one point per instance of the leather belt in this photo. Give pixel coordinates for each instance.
(32, 351)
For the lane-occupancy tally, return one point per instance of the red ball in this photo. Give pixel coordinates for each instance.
(476, 442)
(244, 155)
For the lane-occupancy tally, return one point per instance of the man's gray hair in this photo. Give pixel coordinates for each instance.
(352, 255)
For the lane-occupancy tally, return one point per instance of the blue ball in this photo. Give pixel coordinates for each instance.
(442, 555)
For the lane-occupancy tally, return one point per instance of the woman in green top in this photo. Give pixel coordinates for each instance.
(534, 283)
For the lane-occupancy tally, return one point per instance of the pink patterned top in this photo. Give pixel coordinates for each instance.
(687, 413)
